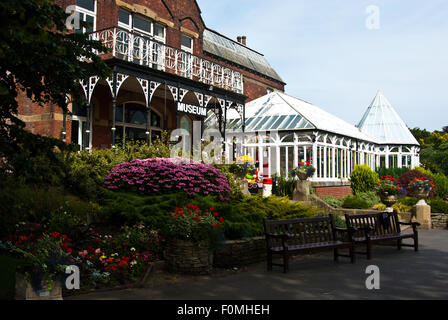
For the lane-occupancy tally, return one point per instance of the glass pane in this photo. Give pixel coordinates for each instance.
(294, 123)
(135, 114)
(187, 42)
(81, 18)
(136, 134)
(119, 114)
(278, 122)
(123, 17)
(159, 31)
(270, 122)
(75, 131)
(119, 134)
(155, 120)
(285, 124)
(86, 4)
(85, 142)
(90, 20)
(142, 24)
(185, 123)
(155, 135)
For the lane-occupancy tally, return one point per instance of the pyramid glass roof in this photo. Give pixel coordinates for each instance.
(382, 121)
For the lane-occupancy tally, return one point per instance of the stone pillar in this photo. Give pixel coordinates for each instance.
(301, 190)
(421, 213)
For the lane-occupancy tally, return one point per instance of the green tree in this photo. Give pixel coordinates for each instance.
(42, 59)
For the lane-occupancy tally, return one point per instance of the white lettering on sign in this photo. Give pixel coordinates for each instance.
(191, 109)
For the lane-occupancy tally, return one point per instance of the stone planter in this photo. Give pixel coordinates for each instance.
(421, 193)
(389, 201)
(185, 256)
(302, 176)
(25, 291)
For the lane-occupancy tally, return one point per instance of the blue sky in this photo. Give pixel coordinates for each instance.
(327, 56)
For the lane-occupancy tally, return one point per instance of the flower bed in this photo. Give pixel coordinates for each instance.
(103, 260)
(157, 176)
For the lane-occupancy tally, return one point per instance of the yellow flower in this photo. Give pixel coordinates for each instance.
(102, 257)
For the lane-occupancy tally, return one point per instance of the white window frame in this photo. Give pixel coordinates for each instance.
(80, 120)
(186, 49)
(90, 13)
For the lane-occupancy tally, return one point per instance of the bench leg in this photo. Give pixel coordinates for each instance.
(399, 244)
(336, 255)
(416, 242)
(285, 262)
(352, 254)
(269, 260)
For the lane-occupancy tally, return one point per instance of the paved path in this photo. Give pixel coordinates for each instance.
(405, 274)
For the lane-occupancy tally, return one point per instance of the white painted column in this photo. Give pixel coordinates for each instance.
(269, 161)
(387, 157)
(286, 162)
(296, 155)
(277, 161)
(333, 163)
(325, 163)
(315, 160)
(261, 158)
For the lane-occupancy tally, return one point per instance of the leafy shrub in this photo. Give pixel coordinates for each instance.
(394, 172)
(408, 201)
(438, 206)
(234, 182)
(441, 182)
(162, 176)
(284, 187)
(332, 201)
(354, 202)
(400, 207)
(120, 208)
(33, 158)
(363, 179)
(20, 202)
(380, 207)
(409, 176)
(370, 197)
(244, 218)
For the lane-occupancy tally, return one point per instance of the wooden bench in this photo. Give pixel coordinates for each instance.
(287, 237)
(379, 228)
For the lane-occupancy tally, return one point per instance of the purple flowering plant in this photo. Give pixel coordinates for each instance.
(168, 175)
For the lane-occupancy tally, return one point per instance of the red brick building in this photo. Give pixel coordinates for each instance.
(169, 69)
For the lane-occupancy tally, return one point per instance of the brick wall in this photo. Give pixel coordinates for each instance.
(176, 15)
(335, 191)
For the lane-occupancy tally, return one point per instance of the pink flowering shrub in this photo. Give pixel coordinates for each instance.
(159, 176)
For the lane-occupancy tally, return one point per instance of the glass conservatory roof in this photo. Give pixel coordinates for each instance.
(279, 111)
(233, 51)
(382, 121)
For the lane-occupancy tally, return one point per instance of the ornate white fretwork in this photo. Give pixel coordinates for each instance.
(152, 88)
(121, 78)
(145, 86)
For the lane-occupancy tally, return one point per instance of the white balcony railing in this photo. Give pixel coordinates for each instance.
(143, 50)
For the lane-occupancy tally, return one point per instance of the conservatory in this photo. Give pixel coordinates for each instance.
(279, 131)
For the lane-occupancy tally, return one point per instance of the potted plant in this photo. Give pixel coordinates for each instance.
(420, 187)
(304, 170)
(191, 236)
(45, 259)
(388, 190)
